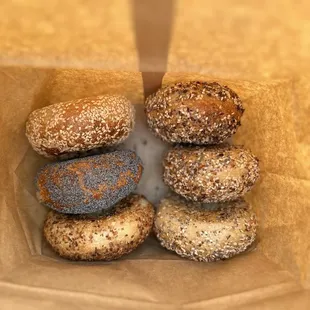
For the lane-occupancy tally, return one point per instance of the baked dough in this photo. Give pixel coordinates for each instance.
(194, 113)
(210, 174)
(62, 130)
(207, 232)
(89, 184)
(101, 236)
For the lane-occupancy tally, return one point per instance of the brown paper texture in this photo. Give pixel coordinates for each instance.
(273, 82)
(243, 39)
(65, 34)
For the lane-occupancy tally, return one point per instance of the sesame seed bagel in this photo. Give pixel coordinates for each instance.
(207, 232)
(89, 184)
(80, 125)
(194, 113)
(210, 174)
(100, 236)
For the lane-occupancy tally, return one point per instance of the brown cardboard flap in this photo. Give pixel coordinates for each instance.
(227, 39)
(154, 283)
(244, 39)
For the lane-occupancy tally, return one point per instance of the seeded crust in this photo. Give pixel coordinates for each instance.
(207, 232)
(90, 184)
(101, 236)
(210, 174)
(194, 113)
(67, 128)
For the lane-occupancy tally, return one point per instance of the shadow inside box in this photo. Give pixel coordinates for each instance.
(149, 250)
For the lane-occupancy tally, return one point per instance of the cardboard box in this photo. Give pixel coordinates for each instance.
(54, 51)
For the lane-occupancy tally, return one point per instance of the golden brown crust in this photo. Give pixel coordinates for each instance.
(101, 236)
(210, 174)
(194, 113)
(80, 125)
(207, 232)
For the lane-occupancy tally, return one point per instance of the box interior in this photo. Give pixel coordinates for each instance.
(276, 265)
(51, 54)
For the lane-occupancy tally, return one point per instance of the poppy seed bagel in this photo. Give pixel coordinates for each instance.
(79, 125)
(100, 236)
(210, 174)
(194, 113)
(205, 232)
(89, 184)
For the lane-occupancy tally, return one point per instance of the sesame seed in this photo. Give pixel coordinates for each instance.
(210, 232)
(210, 174)
(65, 129)
(194, 113)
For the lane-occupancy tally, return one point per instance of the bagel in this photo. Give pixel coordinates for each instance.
(102, 236)
(210, 174)
(207, 232)
(65, 129)
(194, 113)
(89, 184)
